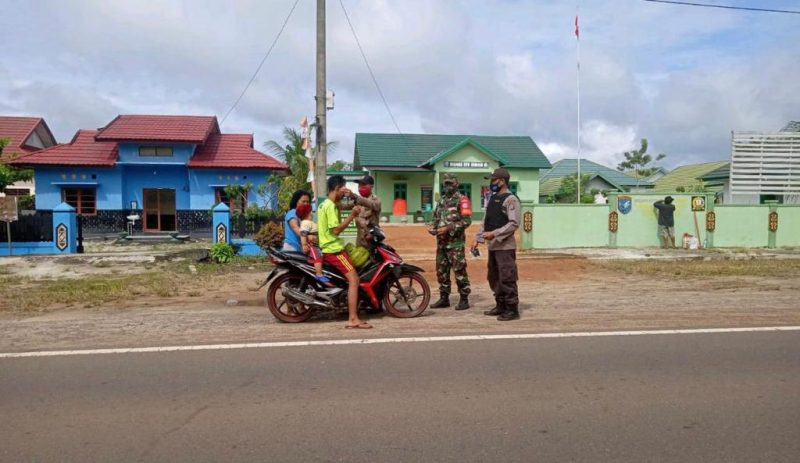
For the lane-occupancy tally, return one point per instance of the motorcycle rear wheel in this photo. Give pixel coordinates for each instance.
(417, 291)
(283, 309)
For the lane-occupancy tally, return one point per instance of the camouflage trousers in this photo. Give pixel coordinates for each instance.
(447, 259)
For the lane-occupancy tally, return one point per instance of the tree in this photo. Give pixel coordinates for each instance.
(294, 156)
(569, 186)
(636, 161)
(9, 174)
(340, 165)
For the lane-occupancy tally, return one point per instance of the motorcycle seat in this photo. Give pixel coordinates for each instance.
(296, 255)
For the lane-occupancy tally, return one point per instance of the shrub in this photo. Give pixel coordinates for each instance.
(222, 252)
(270, 235)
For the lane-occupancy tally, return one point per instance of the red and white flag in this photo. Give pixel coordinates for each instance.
(577, 29)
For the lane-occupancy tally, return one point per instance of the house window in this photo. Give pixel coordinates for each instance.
(770, 199)
(155, 151)
(400, 191)
(237, 204)
(514, 187)
(463, 188)
(84, 200)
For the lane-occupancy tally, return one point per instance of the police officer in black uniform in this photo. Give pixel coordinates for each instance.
(503, 215)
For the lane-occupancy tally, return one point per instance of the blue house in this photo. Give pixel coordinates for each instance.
(169, 170)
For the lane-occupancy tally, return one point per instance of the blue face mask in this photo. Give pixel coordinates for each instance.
(494, 187)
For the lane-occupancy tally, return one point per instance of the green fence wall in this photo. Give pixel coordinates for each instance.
(788, 233)
(573, 225)
(742, 226)
(559, 226)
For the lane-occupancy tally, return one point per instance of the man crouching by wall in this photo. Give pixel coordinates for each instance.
(502, 219)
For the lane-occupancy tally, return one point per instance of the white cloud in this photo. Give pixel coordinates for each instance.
(681, 77)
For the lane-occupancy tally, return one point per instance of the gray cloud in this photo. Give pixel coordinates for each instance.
(681, 77)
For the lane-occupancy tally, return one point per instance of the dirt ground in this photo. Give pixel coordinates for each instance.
(558, 292)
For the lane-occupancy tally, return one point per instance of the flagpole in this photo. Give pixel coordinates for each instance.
(578, 73)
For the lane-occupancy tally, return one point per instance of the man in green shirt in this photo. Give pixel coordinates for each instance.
(332, 246)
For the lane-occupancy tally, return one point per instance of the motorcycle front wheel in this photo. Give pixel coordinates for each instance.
(282, 308)
(417, 296)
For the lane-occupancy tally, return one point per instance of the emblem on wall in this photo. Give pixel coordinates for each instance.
(711, 221)
(773, 221)
(698, 203)
(222, 233)
(527, 221)
(62, 240)
(613, 221)
(624, 204)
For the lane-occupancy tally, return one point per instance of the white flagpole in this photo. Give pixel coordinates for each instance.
(578, 46)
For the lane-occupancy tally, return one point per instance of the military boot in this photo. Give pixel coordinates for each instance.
(463, 303)
(443, 302)
(511, 313)
(494, 311)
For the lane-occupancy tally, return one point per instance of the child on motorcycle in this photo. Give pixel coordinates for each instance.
(310, 241)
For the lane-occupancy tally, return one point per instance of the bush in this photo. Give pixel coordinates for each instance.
(270, 235)
(26, 203)
(222, 252)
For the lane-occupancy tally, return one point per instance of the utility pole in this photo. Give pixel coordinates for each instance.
(321, 164)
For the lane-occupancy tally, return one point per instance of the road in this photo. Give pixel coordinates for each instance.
(687, 397)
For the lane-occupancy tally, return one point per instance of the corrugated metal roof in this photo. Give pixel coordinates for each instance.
(566, 167)
(412, 150)
(232, 151)
(687, 176)
(188, 129)
(82, 150)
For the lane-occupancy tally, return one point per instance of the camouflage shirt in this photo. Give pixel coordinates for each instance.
(448, 214)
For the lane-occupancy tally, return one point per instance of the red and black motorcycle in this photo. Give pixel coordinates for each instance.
(387, 283)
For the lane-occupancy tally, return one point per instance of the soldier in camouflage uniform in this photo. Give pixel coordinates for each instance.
(450, 218)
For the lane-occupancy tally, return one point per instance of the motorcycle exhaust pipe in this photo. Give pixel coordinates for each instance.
(302, 298)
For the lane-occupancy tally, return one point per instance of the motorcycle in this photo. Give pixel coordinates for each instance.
(386, 283)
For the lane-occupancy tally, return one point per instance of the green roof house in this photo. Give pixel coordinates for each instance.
(689, 178)
(602, 178)
(408, 167)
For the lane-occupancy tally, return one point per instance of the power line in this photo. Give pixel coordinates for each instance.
(369, 68)
(727, 7)
(266, 55)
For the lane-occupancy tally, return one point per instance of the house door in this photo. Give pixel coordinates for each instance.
(159, 210)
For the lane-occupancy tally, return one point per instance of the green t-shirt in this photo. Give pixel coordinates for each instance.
(327, 220)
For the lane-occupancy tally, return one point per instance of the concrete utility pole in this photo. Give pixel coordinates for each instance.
(321, 164)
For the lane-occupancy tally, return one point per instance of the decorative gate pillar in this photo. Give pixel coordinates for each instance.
(221, 231)
(65, 229)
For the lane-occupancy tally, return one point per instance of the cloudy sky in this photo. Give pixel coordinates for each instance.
(682, 77)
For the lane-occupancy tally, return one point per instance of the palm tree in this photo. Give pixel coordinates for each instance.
(292, 155)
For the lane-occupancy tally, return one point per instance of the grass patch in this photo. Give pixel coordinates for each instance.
(237, 265)
(172, 279)
(23, 294)
(712, 268)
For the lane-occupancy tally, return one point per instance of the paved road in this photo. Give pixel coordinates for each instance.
(697, 397)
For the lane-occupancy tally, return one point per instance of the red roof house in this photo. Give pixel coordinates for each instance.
(25, 134)
(171, 170)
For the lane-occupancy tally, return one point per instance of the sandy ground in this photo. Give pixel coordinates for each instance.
(559, 293)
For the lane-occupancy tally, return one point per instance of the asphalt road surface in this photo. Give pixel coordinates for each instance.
(690, 397)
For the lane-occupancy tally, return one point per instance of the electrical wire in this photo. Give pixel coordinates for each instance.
(727, 7)
(369, 68)
(266, 55)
